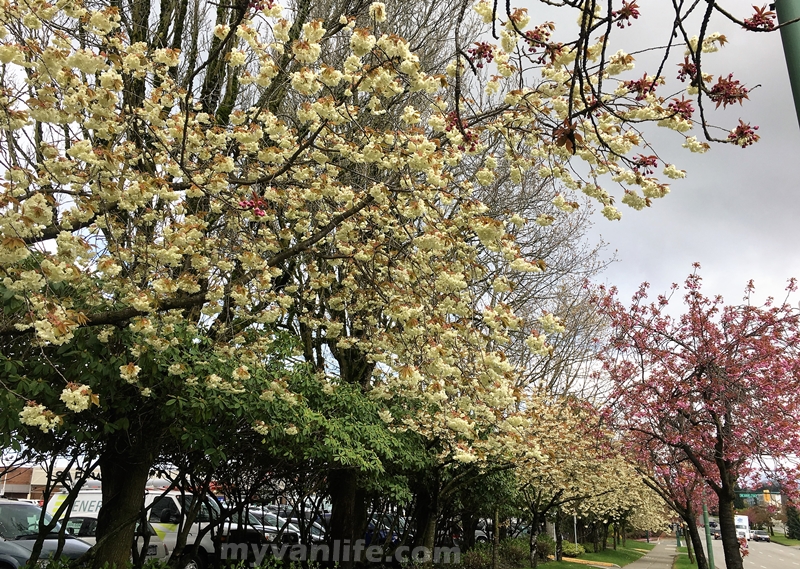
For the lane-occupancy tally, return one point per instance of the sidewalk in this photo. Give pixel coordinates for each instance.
(660, 557)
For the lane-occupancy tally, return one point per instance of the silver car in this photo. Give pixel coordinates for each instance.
(19, 528)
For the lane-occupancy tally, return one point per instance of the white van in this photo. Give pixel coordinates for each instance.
(164, 516)
(85, 528)
(742, 524)
(82, 523)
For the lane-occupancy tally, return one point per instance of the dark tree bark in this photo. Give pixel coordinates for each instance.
(559, 537)
(697, 545)
(348, 509)
(469, 522)
(125, 474)
(427, 511)
(727, 529)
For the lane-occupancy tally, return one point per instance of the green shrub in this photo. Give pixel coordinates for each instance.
(479, 557)
(569, 549)
(545, 546)
(514, 552)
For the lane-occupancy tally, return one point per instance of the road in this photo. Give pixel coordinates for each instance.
(762, 556)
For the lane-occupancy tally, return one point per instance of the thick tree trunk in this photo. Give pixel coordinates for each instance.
(532, 542)
(430, 512)
(468, 521)
(429, 533)
(559, 537)
(426, 511)
(697, 544)
(348, 510)
(124, 479)
(727, 529)
(534, 536)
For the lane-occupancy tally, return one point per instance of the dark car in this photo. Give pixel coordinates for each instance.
(380, 535)
(760, 535)
(19, 527)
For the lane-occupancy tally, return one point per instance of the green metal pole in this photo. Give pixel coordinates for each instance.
(787, 11)
(709, 543)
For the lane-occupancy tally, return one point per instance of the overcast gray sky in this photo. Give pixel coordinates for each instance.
(736, 212)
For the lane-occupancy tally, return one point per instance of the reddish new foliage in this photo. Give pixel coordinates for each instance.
(482, 52)
(626, 13)
(645, 164)
(682, 107)
(727, 91)
(744, 135)
(642, 87)
(719, 383)
(762, 19)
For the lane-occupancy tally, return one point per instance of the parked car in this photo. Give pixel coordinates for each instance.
(483, 531)
(760, 535)
(379, 534)
(276, 527)
(519, 531)
(451, 533)
(394, 523)
(312, 532)
(19, 528)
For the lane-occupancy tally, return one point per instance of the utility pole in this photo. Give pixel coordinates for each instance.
(787, 11)
(575, 528)
(709, 543)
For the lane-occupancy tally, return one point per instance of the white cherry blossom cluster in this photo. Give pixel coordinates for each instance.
(36, 415)
(78, 397)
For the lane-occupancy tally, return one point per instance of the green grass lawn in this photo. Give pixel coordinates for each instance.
(622, 556)
(682, 560)
(783, 540)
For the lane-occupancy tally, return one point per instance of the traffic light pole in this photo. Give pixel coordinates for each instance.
(787, 11)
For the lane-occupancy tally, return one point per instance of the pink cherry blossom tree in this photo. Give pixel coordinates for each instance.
(719, 383)
(668, 472)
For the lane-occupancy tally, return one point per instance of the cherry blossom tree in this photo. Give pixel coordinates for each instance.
(670, 474)
(567, 462)
(717, 384)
